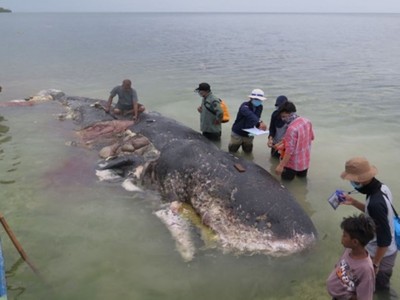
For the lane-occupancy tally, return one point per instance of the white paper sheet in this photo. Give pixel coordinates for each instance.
(256, 131)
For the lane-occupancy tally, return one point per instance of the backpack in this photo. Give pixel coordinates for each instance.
(225, 116)
(225, 111)
(396, 220)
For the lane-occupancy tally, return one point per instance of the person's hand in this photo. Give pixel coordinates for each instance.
(348, 200)
(270, 142)
(134, 118)
(199, 109)
(262, 126)
(107, 109)
(279, 169)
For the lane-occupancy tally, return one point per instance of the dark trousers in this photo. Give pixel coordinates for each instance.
(275, 153)
(213, 136)
(382, 280)
(289, 174)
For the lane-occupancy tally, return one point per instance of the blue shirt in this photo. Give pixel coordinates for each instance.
(248, 116)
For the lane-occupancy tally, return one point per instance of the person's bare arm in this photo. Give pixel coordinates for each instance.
(108, 106)
(135, 111)
(351, 201)
(282, 163)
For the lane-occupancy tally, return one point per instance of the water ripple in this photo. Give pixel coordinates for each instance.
(8, 159)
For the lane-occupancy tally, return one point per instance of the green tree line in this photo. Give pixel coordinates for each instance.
(4, 10)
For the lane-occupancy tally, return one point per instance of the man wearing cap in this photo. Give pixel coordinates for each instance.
(297, 143)
(127, 100)
(248, 116)
(378, 205)
(277, 127)
(210, 113)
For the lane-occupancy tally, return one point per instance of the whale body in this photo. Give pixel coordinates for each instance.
(249, 211)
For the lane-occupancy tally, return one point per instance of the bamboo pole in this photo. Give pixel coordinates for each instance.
(17, 245)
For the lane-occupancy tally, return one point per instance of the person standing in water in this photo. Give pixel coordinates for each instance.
(210, 112)
(377, 205)
(248, 116)
(277, 127)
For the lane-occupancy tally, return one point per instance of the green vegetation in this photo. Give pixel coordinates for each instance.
(4, 10)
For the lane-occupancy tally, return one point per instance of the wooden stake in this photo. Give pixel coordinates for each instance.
(17, 244)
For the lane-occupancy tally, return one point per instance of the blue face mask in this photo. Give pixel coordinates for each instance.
(256, 102)
(356, 185)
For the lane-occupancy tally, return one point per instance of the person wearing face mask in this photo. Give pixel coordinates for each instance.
(297, 143)
(377, 205)
(277, 127)
(210, 113)
(248, 116)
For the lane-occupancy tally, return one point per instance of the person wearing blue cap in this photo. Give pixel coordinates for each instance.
(277, 127)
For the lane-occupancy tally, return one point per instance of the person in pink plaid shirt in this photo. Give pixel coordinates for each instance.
(297, 144)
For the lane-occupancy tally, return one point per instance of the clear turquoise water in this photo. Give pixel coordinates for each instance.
(95, 241)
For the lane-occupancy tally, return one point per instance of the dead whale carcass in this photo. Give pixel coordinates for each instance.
(250, 212)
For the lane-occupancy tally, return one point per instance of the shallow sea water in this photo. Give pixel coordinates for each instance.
(93, 240)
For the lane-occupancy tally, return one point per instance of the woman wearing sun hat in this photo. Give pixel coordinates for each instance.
(377, 205)
(248, 116)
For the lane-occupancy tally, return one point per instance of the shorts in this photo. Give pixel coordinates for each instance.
(124, 107)
(128, 107)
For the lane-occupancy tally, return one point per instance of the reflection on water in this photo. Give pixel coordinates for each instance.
(8, 158)
(16, 291)
(3, 130)
(298, 186)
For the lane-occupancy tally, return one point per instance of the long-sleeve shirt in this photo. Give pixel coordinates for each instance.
(248, 116)
(297, 139)
(211, 114)
(277, 127)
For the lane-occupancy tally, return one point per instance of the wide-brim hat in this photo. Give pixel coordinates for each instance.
(257, 94)
(358, 169)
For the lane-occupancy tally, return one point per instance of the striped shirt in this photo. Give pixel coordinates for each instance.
(297, 139)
